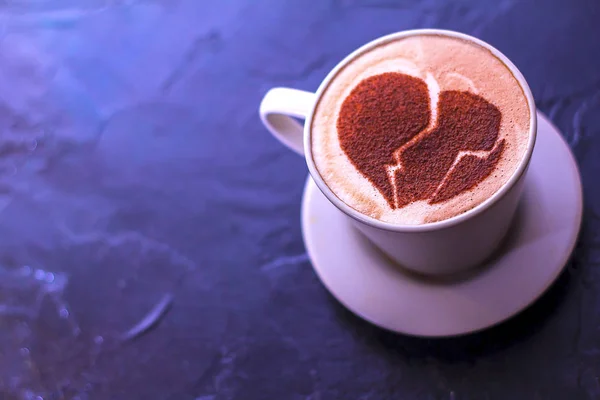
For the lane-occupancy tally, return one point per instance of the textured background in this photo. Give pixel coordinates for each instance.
(151, 244)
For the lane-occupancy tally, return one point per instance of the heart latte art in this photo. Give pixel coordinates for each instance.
(382, 128)
(420, 129)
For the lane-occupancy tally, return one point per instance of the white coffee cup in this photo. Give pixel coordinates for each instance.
(449, 246)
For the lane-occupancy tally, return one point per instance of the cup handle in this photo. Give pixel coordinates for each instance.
(277, 109)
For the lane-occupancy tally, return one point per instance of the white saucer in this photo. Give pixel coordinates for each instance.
(537, 249)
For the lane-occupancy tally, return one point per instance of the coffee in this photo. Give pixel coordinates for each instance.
(420, 129)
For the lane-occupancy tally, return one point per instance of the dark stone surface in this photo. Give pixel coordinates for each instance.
(137, 180)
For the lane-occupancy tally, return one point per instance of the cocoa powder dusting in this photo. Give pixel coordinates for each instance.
(468, 172)
(384, 112)
(466, 122)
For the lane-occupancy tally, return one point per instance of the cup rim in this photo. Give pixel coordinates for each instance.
(430, 226)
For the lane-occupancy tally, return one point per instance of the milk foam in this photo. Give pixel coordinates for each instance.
(443, 63)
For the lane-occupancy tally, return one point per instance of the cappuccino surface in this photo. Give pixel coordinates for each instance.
(420, 129)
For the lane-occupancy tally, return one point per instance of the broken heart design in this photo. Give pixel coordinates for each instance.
(384, 129)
